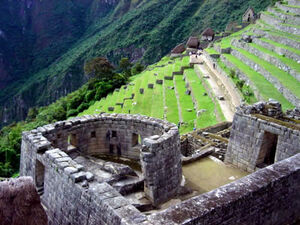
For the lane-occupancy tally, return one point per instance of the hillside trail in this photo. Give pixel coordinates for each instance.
(217, 90)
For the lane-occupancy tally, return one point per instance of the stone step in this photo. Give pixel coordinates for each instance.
(290, 96)
(286, 18)
(128, 185)
(277, 38)
(271, 20)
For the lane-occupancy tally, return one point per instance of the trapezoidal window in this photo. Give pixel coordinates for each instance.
(136, 139)
(72, 140)
(39, 177)
(267, 150)
(114, 133)
(93, 134)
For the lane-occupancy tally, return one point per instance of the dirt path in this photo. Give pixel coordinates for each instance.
(224, 104)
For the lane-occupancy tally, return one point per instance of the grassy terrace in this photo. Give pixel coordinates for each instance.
(250, 99)
(265, 88)
(207, 118)
(286, 79)
(289, 62)
(161, 101)
(297, 51)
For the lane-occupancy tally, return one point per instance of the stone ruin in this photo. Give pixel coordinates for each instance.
(77, 186)
(262, 135)
(20, 203)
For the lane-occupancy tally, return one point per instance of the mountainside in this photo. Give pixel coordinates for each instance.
(43, 44)
(266, 54)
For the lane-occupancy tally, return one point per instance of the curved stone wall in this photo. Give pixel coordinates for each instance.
(154, 142)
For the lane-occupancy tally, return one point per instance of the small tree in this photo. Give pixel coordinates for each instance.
(138, 68)
(100, 68)
(125, 65)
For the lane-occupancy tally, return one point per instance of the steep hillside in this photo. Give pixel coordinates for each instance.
(266, 54)
(44, 44)
(162, 91)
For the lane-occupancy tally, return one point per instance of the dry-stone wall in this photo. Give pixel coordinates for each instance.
(230, 90)
(285, 92)
(269, 196)
(260, 136)
(69, 190)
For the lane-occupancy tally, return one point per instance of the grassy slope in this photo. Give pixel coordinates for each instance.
(161, 101)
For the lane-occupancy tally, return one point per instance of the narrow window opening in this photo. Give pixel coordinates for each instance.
(136, 139)
(268, 150)
(39, 177)
(72, 142)
(114, 133)
(93, 134)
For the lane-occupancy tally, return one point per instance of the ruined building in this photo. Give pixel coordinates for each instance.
(79, 187)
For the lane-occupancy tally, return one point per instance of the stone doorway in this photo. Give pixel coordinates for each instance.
(39, 177)
(268, 150)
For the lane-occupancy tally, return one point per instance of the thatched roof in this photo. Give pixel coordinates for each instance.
(178, 49)
(20, 203)
(208, 32)
(193, 42)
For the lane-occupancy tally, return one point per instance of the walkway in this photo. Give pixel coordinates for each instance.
(218, 91)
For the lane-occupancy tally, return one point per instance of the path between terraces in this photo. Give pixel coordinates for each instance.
(217, 90)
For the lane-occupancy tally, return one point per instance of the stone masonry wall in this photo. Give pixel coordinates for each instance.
(247, 139)
(230, 90)
(70, 192)
(269, 196)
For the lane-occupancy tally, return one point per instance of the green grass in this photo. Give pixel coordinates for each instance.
(297, 51)
(208, 117)
(265, 88)
(245, 89)
(211, 51)
(289, 62)
(286, 79)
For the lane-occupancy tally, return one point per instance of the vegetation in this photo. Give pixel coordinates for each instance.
(104, 81)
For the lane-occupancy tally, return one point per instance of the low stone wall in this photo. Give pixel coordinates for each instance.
(70, 192)
(286, 8)
(269, 196)
(250, 136)
(288, 18)
(286, 92)
(242, 76)
(230, 90)
(282, 40)
(280, 51)
(270, 20)
(269, 58)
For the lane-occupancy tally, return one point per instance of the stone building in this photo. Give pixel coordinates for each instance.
(208, 35)
(262, 135)
(78, 187)
(249, 16)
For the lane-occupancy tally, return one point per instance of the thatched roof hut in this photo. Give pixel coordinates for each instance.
(179, 49)
(208, 34)
(193, 42)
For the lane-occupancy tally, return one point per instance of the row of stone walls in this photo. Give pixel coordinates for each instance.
(231, 91)
(269, 196)
(248, 138)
